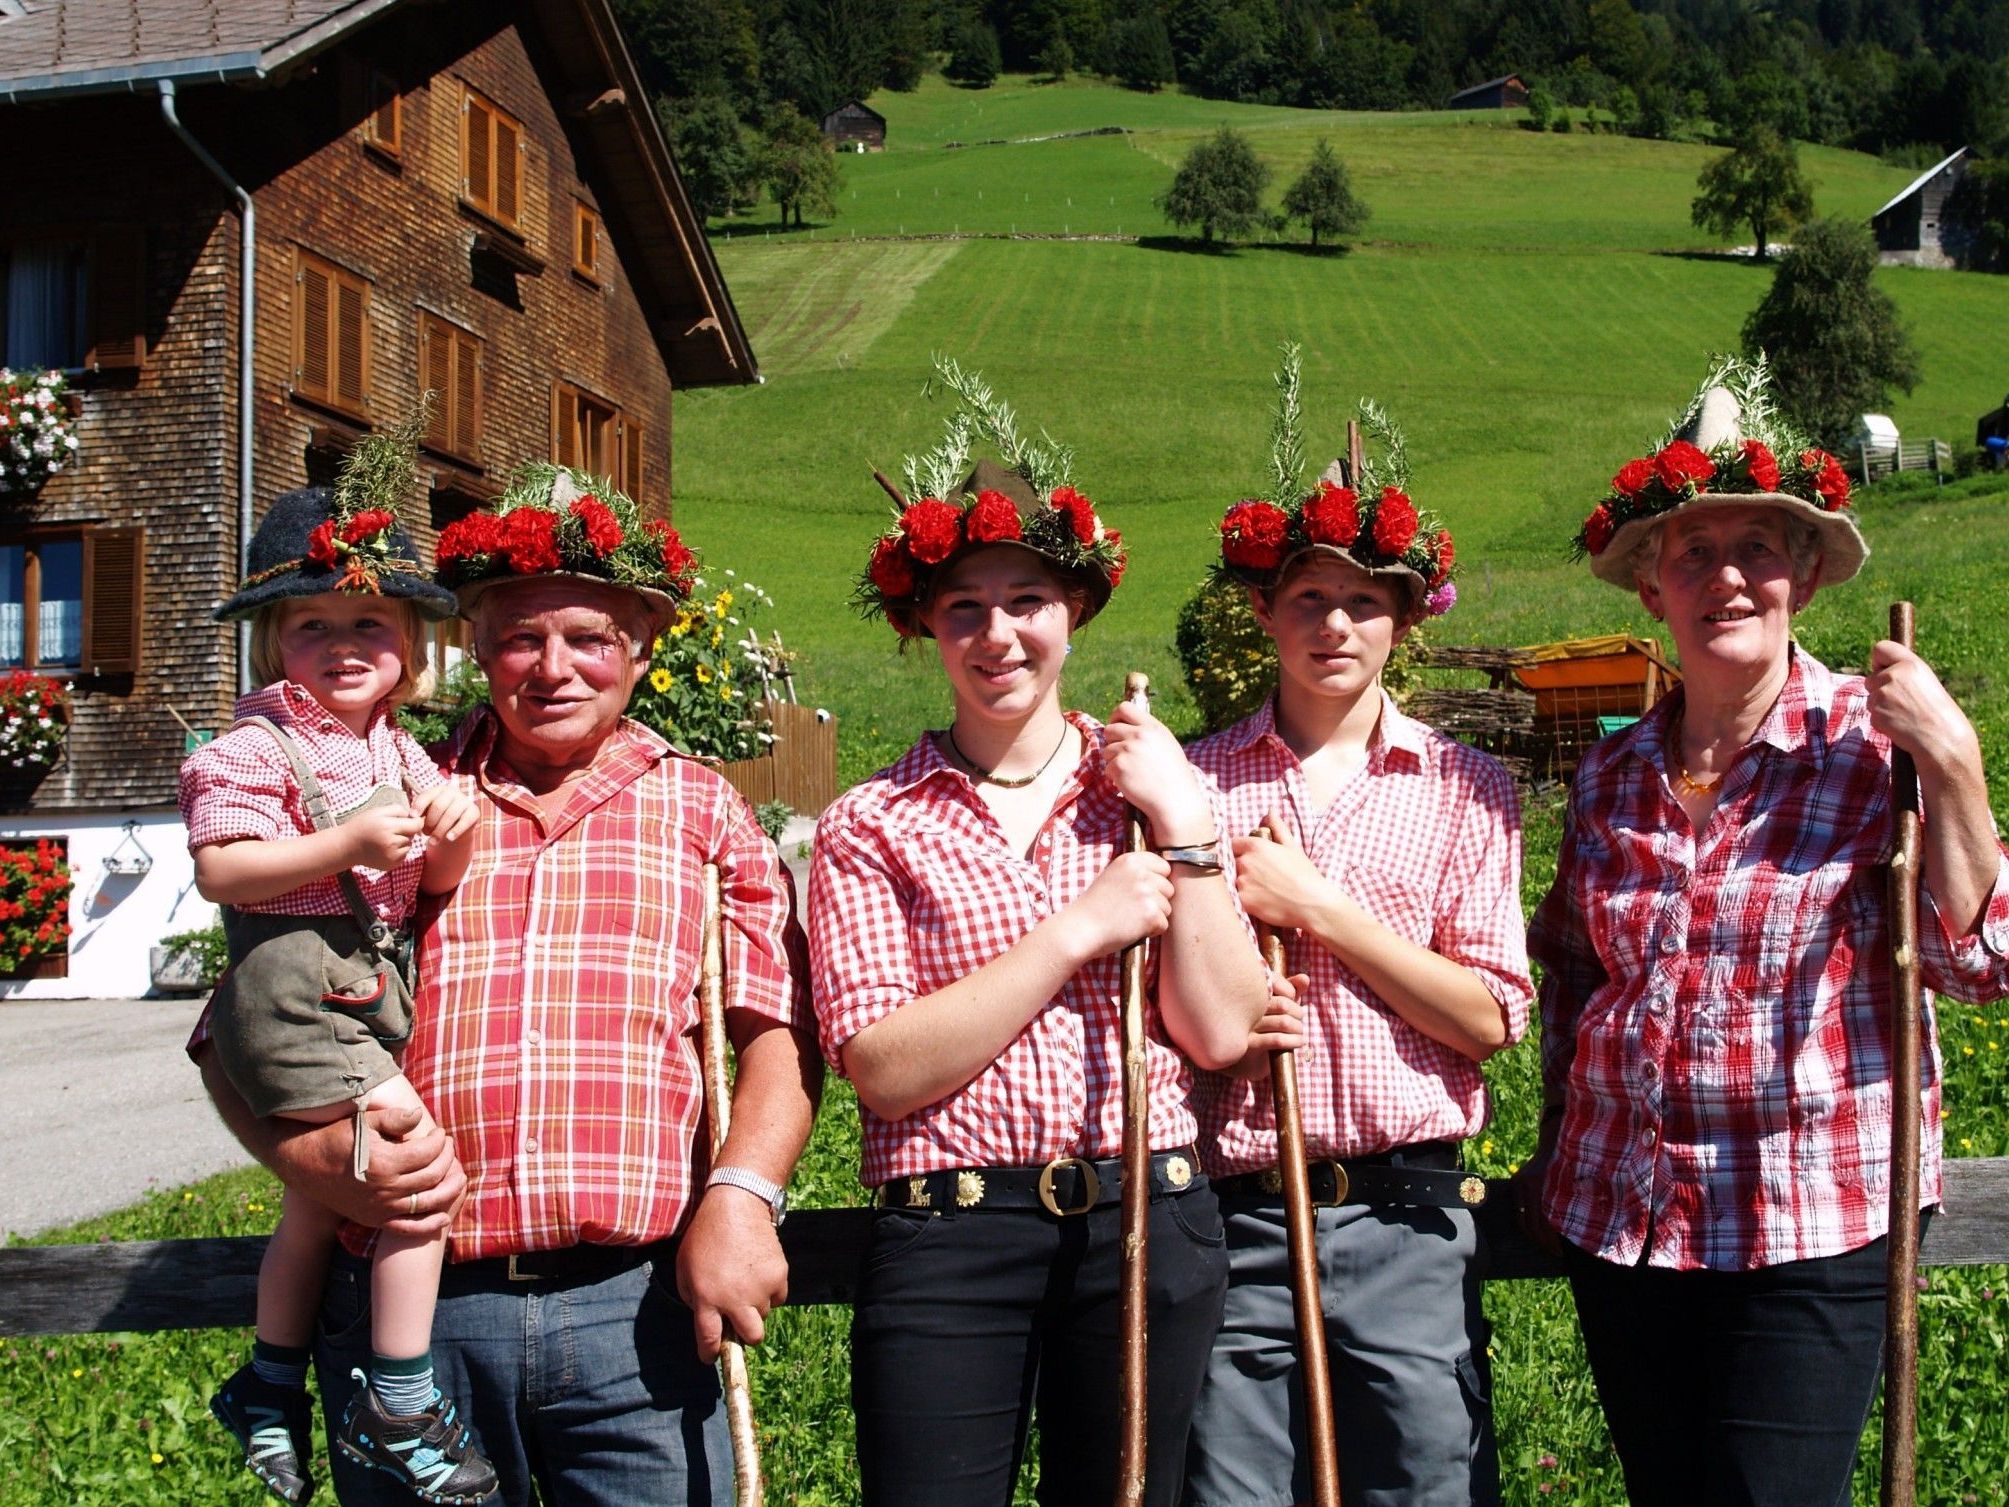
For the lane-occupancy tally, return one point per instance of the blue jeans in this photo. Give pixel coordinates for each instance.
(591, 1394)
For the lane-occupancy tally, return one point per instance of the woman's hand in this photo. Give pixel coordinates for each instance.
(1130, 899)
(1144, 762)
(1281, 1028)
(1908, 705)
(1276, 879)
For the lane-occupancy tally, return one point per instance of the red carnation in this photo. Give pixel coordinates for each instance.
(932, 529)
(891, 571)
(677, 558)
(1394, 521)
(1760, 466)
(1632, 478)
(321, 543)
(1446, 557)
(1332, 515)
(603, 529)
(1598, 529)
(1252, 535)
(530, 539)
(466, 538)
(364, 524)
(1830, 480)
(1080, 513)
(1122, 562)
(991, 519)
(1681, 463)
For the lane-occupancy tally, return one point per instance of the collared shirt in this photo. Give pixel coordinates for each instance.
(1715, 1015)
(1426, 837)
(914, 887)
(241, 786)
(557, 1017)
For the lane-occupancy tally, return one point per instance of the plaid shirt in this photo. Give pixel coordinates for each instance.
(1426, 838)
(1715, 1016)
(914, 887)
(241, 786)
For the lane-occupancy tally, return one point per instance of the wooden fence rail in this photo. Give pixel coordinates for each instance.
(147, 1286)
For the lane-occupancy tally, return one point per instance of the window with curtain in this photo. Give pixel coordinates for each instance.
(42, 605)
(44, 304)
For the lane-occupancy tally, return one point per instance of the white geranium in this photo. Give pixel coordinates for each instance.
(40, 433)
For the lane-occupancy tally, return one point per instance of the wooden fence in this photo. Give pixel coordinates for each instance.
(153, 1285)
(1870, 462)
(801, 767)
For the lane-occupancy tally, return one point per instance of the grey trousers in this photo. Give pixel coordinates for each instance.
(1407, 1346)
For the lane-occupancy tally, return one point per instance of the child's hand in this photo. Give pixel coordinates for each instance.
(381, 838)
(446, 812)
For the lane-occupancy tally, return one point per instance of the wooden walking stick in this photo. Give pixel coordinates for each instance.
(1131, 1459)
(748, 1490)
(1900, 1373)
(1301, 1231)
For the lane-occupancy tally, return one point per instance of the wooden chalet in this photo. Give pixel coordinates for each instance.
(249, 233)
(855, 127)
(1504, 93)
(1912, 228)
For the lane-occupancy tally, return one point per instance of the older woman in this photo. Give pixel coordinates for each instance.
(1715, 1150)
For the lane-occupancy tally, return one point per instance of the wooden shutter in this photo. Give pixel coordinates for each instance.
(631, 456)
(385, 128)
(114, 599)
(466, 394)
(564, 425)
(508, 204)
(117, 301)
(331, 335)
(436, 376)
(477, 154)
(352, 339)
(450, 365)
(312, 357)
(585, 243)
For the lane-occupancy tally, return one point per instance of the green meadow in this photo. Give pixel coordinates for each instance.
(1530, 308)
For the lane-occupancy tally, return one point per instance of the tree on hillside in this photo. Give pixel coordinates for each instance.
(1056, 58)
(1758, 184)
(800, 168)
(1140, 52)
(973, 54)
(1323, 198)
(1977, 216)
(1218, 187)
(1836, 345)
(719, 170)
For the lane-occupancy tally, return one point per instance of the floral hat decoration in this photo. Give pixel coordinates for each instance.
(557, 521)
(1360, 510)
(346, 538)
(1729, 448)
(1028, 500)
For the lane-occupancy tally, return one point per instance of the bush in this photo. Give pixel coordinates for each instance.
(205, 947)
(461, 690)
(774, 817)
(708, 677)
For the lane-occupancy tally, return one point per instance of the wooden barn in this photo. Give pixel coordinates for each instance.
(1504, 93)
(256, 232)
(855, 127)
(1912, 228)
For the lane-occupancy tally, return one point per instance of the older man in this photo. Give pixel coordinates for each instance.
(556, 1041)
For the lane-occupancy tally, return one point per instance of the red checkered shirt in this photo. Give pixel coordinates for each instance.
(1426, 837)
(241, 786)
(1715, 1014)
(557, 1015)
(913, 887)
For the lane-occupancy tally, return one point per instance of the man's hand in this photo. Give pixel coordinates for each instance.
(415, 1181)
(730, 1269)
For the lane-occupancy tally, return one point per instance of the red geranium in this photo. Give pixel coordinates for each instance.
(1446, 557)
(467, 538)
(1632, 478)
(1080, 513)
(932, 529)
(1332, 515)
(364, 524)
(1681, 463)
(1394, 521)
(1252, 535)
(891, 571)
(603, 529)
(1598, 529)
(1760, 466)
(1831, 482)
(321, 543)
(530, 539)
(991, 519)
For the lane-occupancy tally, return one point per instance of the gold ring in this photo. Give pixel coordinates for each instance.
(414, 1210)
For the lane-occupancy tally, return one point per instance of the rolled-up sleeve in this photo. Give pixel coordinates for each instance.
(1974, 967)
(233, 789)
(1479, 924)
(766, 958)
(861, 958)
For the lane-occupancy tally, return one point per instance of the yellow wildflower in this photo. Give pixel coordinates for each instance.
(157, 1458)
(718, 637)
(704, 674)
(726, 693)
(661, 679)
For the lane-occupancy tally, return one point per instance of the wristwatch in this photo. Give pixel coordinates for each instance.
(1205, 857)
(747, 1181)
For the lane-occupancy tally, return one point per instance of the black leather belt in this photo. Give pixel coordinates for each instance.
(562, 1266)
(1422, 1176)
(1064, 1186)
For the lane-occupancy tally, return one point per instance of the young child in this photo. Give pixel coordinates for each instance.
(314, 823)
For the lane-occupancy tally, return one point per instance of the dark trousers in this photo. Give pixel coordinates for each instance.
(966, 1321)
(1726, 1388)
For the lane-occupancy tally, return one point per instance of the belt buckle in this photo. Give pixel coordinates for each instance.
(1092, 1186)
(516, 1276)
(1341, 1183)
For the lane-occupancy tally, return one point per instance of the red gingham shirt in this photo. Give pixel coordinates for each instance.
(1426, 837)
(913, 887)
(556, 1036)
(241, 786)
(1715, 1016)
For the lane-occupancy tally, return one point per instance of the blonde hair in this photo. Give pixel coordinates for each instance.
(415, 683)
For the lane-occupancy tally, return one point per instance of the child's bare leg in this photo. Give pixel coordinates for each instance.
(404, 1277)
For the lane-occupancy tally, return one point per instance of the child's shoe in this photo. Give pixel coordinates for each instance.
(275, 1429)
(432, 1452)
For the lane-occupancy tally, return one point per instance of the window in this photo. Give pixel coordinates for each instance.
(384, 120)
(450, 365)
(331, 335)
(72, 301)
(595, 436)
(586, 243)
(70, 602)
(491, 161)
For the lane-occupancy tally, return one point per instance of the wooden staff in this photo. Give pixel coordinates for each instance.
(1136, 1186)
(1900, 1374)
(1301, 1231)
(747, 1487)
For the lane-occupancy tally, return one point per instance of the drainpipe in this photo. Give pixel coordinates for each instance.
(247, 287)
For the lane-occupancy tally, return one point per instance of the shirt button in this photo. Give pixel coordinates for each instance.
(533, 1036)
(530, 1144)
(1650, 1137)
(1652, 1069)
(1669, 942)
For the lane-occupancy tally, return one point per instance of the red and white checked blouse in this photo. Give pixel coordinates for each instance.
(1715, 1015)
(556, 1036)
(241, 786)
(1426, 837)
(913, 887)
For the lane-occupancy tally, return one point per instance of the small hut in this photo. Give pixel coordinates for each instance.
(1504, 93)
(855, 127)
(1912, 228)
